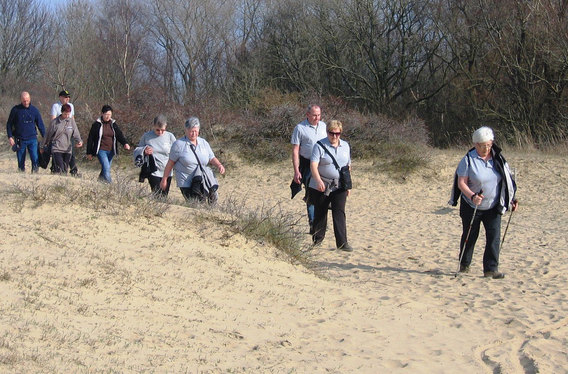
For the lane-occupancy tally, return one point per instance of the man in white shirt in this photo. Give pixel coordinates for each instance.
(305, 135)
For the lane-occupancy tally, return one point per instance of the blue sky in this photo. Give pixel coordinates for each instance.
(53, 3)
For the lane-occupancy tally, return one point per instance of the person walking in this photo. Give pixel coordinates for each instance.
(157, 144)
(326, 188)
(484, 181)
(65, 98)
(22, 125)
(103, 136)
(60, 135)
(190, 155)
(304, 136)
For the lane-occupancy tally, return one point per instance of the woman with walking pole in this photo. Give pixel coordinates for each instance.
(484, 181)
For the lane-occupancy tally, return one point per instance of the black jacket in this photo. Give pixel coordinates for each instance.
(94, 140)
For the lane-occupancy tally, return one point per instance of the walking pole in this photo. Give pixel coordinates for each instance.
(462, 251)
(506, 228)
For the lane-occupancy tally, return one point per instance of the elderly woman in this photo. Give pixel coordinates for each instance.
(62, 130)
(156, 145)
(190, 155)
(325, 188)
(487, 189)
(102, 142)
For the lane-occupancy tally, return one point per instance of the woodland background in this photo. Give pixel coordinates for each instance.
(423, 71)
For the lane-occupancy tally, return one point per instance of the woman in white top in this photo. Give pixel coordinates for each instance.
(183, 161)
(325, 188)
(157, 143)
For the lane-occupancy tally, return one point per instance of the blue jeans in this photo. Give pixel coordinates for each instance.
(306, 176)
(31, 145)
(492, 222)
(105, 158)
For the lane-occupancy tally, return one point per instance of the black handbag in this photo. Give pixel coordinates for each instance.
(197, 188)
(45, 156)
(344, 172)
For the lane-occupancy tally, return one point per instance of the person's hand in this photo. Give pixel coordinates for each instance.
(515, 205)
(79, 145)
(148, 150)
(320, 185)
(12, 142)
(221, 169)
(348, 192)
(477, 198)
(163, 184)
(40, 149)
(127, 147)
(297, 177)
(89, 157)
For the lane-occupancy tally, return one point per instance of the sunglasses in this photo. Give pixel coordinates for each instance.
(334, 133)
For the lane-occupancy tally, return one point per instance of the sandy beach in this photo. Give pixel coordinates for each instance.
(89, 291)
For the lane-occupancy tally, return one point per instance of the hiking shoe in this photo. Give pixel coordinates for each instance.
(494, 275)
(346, 247)
(464, 269)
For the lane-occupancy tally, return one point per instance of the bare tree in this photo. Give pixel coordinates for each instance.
(70, 61)
(25, 33)
(122, 41)
(197, 37)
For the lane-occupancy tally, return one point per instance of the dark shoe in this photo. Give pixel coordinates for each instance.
(346, 247)
(494, 274)
(317, 243)
(464, 269)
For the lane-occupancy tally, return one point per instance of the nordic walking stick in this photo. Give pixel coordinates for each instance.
(506, 228)
(462, 251)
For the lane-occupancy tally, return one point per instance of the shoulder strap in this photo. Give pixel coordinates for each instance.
(330, 155)
(195, 153)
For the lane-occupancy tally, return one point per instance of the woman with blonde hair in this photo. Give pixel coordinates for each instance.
(329, 155)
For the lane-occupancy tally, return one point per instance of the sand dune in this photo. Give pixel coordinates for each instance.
(86, 290)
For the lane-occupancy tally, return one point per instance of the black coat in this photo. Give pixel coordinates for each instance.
(95, 134)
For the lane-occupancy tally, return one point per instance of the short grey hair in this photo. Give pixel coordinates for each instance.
(312, 106)
(160, 121)
(482, 135)
(192, 122)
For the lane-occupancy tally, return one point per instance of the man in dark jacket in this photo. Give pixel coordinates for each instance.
(22, 133)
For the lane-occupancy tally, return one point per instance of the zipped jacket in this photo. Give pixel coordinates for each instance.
(60, 133)
(508, 185)
(96, 134)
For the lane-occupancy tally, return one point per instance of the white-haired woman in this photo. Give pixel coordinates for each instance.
(185, 163)
(157, 144)
(487, 189)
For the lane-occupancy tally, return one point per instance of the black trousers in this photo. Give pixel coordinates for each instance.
(72, 165)
(492, 222)
(190, 195)
(321, 203)
(61, 162)
(155, 185)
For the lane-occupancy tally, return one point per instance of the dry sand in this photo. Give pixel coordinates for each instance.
(92, 291)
